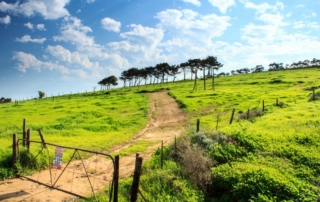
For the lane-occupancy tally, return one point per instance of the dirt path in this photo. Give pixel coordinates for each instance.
(166, 122)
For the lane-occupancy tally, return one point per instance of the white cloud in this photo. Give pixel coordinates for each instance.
(27, 38)
(26, 61)
(5, 20)
(74, 32)
(313, 14)
(140, 45)
(41, 27)
(65, 55)
(189, 25)
(262, 8)
(79, 11)
(110, 24)
(52, 9)
(306, 24)
(194, 2)
(299, 6)
(90, 1)
(222, 5)
(143, 36)
(29, 25)
(179, 35)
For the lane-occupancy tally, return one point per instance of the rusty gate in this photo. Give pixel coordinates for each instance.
(96, 169)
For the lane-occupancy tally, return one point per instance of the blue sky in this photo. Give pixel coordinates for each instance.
(63, 46)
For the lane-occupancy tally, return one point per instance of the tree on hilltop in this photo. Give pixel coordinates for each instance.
(41, 94)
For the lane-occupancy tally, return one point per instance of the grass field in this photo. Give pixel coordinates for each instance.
(274, 157)
(94, 121)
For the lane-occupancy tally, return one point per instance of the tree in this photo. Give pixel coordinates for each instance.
(195, 64)
(184, 67)
(258, 68)
(112, 80)
(5, 100)
(163, 68)
(41, 94)
(173, 71)
(213, 63)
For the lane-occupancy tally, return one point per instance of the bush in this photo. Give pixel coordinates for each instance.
(253, 182)
(195, 162)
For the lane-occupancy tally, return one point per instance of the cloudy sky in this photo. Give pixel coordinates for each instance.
(63, 46)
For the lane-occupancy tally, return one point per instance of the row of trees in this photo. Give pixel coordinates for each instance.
(108, 81)
(162, 71)
(5, 100)
(278, 66)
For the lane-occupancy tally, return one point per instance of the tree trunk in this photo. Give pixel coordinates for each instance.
(204, 78)
(195, 81)
(191, 73)
(212, 79)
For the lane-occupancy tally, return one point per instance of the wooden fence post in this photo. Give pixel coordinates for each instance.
(263, 105)
(24, 132)
(42, 139)
(161, 163)
(217, 121)
(116, 179)
(136, 179)
(231, 119)
(28, 139)
(175, 144)
(198, 125)
(313, 96)
(14, 149)
(277, 102)
(248, 114)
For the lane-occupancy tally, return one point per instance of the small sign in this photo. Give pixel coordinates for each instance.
(57, 160)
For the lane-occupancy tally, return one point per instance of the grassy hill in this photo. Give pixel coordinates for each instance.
(271, 157)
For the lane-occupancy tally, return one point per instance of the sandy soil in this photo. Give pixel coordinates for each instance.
(166, 122)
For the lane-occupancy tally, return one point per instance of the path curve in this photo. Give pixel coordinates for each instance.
(167, 120)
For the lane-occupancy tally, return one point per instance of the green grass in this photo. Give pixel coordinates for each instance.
(93, 121)
(282, 146)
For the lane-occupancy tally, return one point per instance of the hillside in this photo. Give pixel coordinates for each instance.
(271, 157)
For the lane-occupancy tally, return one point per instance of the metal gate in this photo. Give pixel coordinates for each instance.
(97, 169)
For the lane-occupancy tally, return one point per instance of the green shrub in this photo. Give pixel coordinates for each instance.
(252, 182)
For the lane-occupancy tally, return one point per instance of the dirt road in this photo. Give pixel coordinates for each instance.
(166, 122)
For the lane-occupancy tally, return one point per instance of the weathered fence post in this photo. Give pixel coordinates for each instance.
(24, 132)
(175, 144)
(116, 179)
(42, 139)
(248, 114)
(263, 105)
(217, 121)
(313, 96)
(28, 139)
(161, 163)
(231, 119)
(14, 149)
(136, 179)
(277, 102)
(198, 125)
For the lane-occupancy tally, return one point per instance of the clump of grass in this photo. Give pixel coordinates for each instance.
(253, 113)
(276, 81)
(280, 104)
